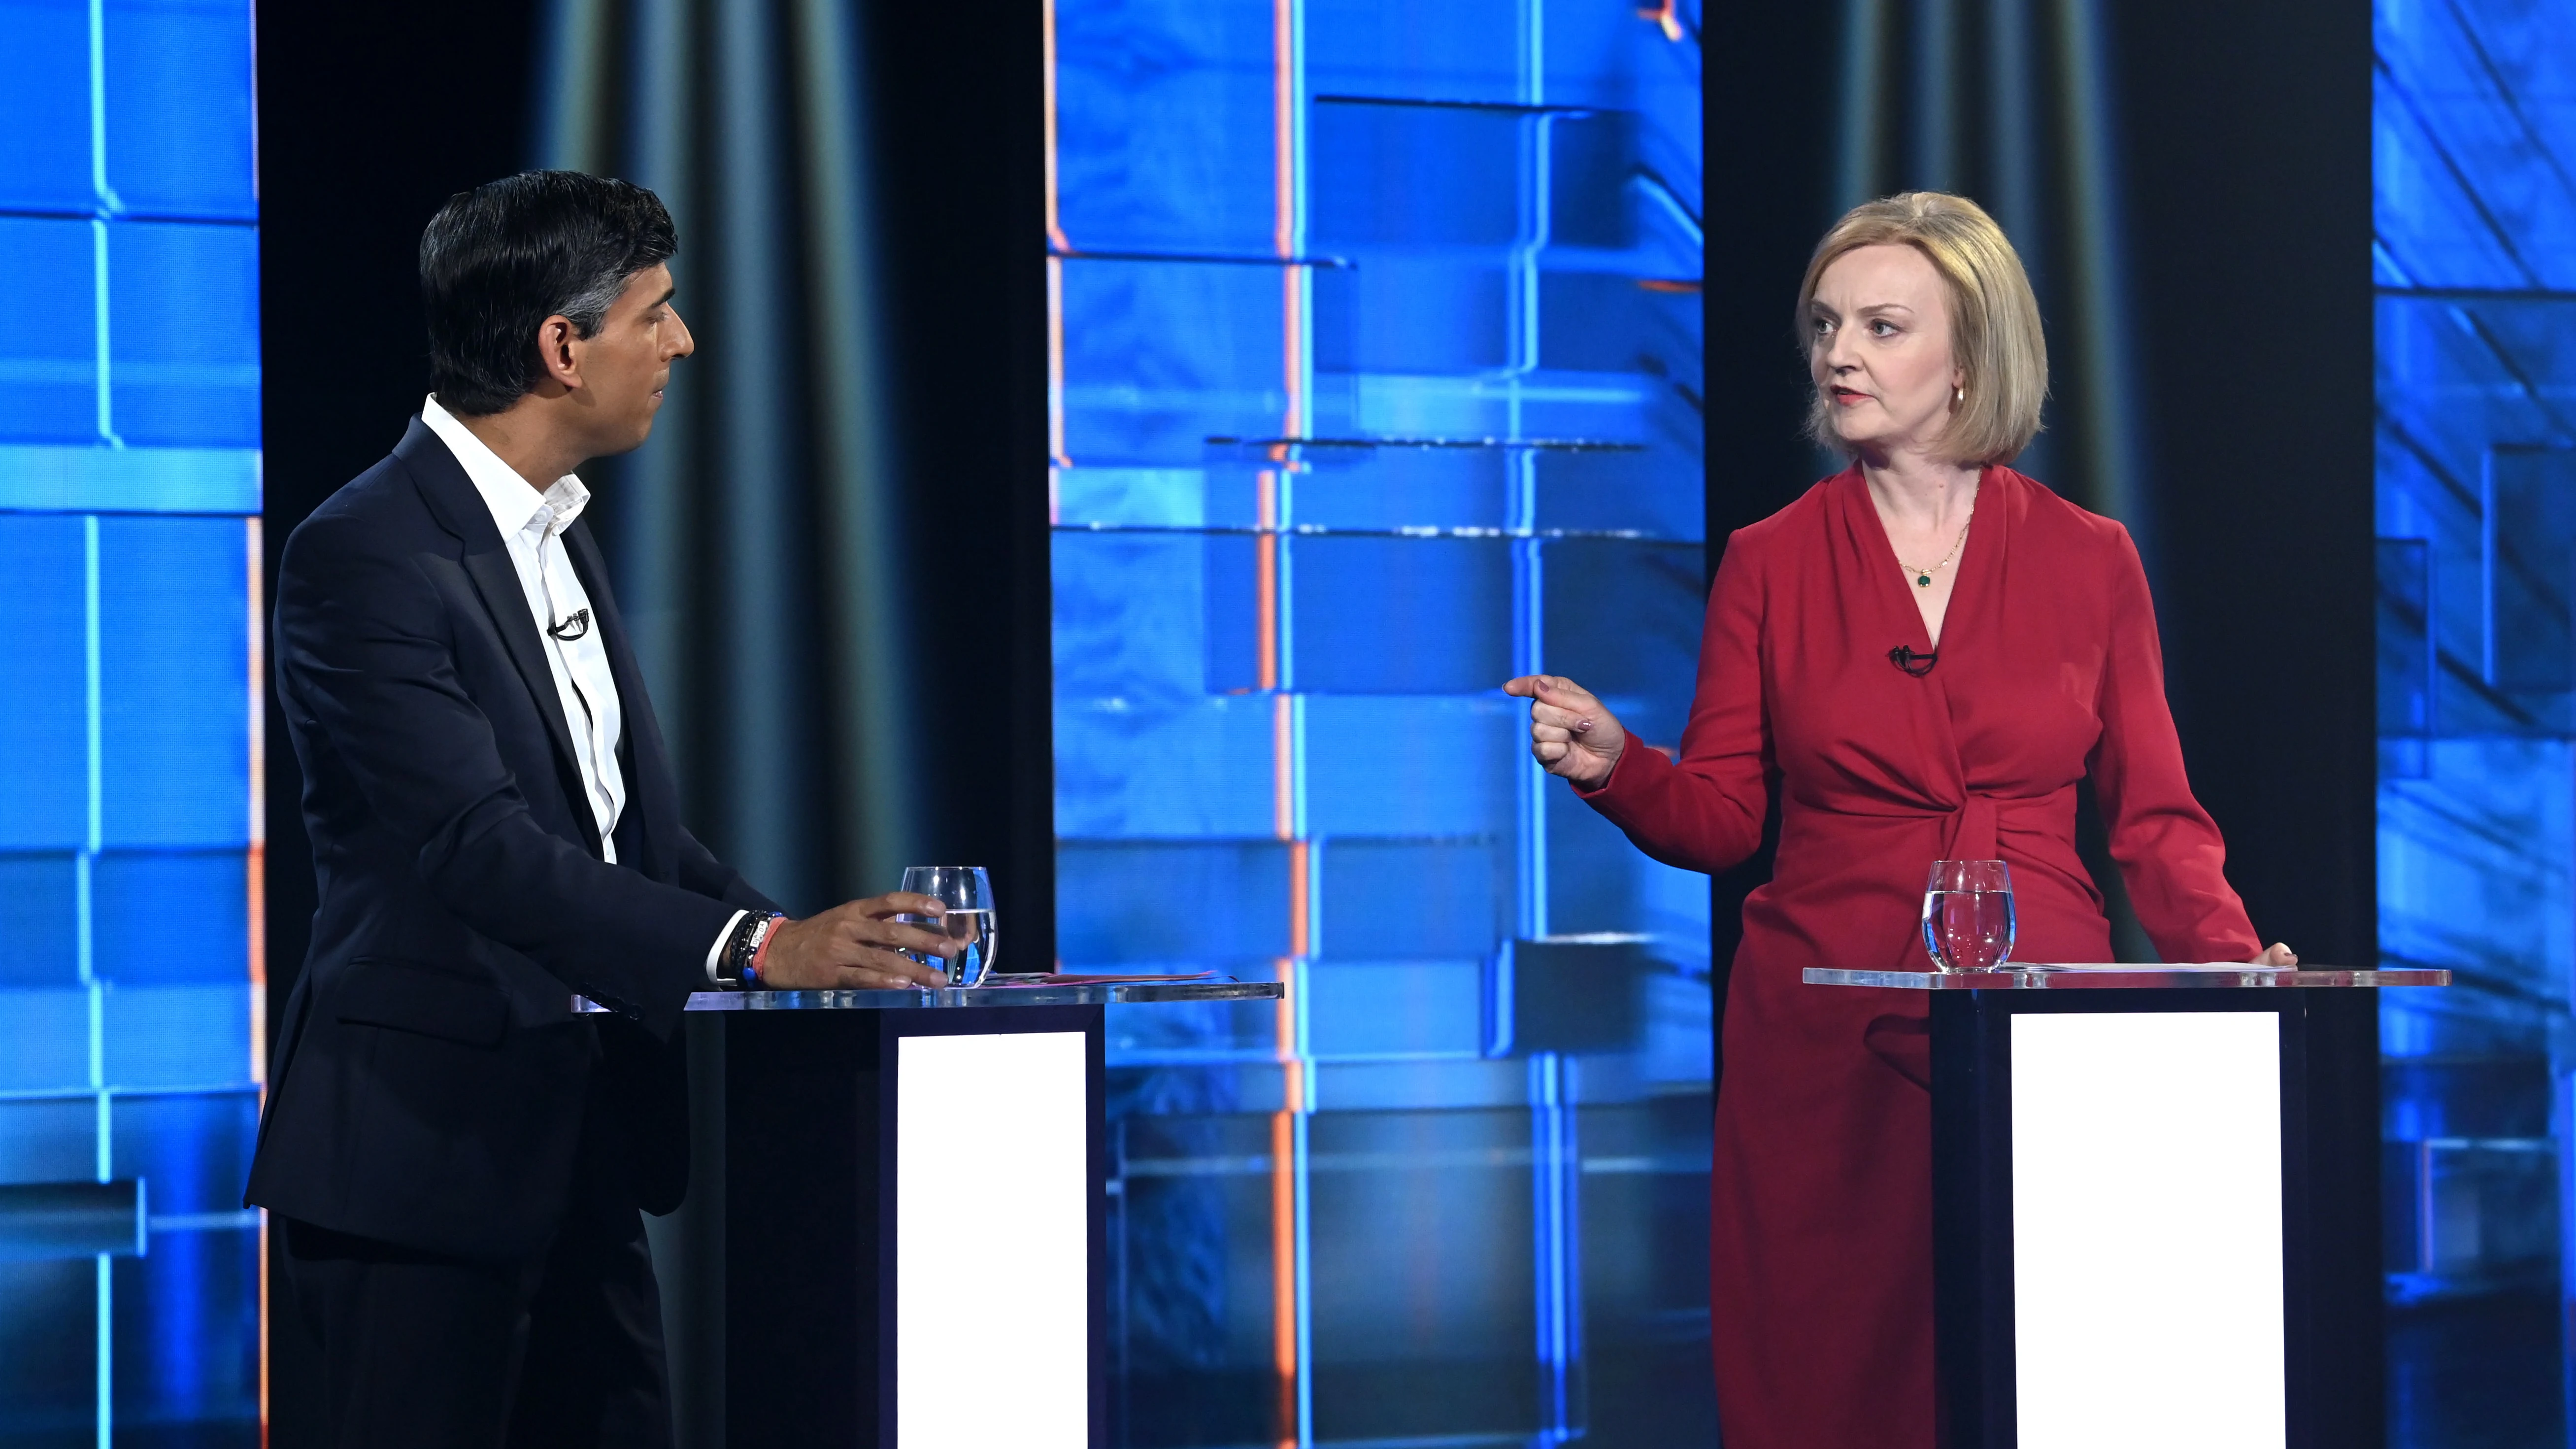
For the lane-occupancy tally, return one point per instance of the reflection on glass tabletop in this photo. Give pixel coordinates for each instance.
(2075, 975)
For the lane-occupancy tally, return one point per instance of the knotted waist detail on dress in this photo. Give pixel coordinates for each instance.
(1972, 828)
(1969, 833)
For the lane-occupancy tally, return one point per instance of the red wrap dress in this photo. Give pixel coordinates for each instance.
(1821, 1190)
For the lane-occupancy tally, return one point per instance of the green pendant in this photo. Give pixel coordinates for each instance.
(1923, 581)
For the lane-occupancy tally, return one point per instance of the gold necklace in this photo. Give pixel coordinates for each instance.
(1923, 577)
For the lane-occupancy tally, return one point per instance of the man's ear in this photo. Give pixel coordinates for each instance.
(559, 349)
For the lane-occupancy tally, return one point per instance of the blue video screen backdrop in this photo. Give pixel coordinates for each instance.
(2475, 267)
(1376, 377)
(130, 999)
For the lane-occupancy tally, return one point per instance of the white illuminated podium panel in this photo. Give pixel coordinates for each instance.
(2121, 1203)
(915, 1195)
(992, 1137)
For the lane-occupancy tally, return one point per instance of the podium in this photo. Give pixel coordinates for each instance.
(2121, 1203)
(915, 1187)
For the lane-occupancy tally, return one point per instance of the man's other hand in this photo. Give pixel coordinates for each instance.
(859, 947)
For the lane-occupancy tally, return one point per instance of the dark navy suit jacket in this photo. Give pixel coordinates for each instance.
(430, 1079)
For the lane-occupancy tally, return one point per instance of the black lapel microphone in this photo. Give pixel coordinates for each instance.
(1912, 663)
(579, 624)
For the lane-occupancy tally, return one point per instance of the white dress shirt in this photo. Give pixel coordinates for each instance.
(532, 525)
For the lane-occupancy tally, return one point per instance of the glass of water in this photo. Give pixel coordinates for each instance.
(968, 893)
(1968, 915)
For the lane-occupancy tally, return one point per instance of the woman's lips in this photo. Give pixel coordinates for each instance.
(1849, 398)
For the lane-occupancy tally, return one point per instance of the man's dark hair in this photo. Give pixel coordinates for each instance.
(502, 258)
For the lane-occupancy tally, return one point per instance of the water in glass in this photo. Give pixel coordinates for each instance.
(1968, 915)
(970, 918)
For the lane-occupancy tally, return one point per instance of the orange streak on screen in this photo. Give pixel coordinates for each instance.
(1283, 788)
(1054, 223)
(1056, 245)
(257, 863)
(1283, 1265)
(1283, 1210)
(263, 1329)
(1283, 722)
(1055, 374)
(1283, 235)
(256, 870)
(1283, 125)
(1292, 1074)
(1298, 859)
(1292, 331)
(1265, 579)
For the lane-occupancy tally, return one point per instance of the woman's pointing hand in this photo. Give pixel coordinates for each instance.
(1571, 734)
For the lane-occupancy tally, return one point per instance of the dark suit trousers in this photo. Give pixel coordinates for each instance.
(421, 1351)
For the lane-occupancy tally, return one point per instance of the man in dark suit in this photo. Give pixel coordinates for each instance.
(457, 1159)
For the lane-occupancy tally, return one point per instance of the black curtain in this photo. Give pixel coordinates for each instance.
(754, 537)
(2248, 160)
(828, 549)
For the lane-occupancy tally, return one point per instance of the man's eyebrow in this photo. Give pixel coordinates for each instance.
(665, 299)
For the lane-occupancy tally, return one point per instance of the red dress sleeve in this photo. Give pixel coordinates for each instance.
(2168, 849)
(1705, 812)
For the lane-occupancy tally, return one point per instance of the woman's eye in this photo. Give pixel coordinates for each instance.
(1882, 328)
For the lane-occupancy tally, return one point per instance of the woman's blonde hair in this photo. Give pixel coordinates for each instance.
(1995, 335)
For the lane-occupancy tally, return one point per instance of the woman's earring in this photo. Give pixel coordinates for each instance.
(1960, 396)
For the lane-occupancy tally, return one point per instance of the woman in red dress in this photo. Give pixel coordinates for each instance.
(2032, 615)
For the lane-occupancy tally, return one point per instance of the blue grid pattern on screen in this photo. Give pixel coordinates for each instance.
(2474, 147)
(129, 833)
(1376, 370)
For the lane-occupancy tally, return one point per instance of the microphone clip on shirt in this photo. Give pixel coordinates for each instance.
(1916, 665)
(570, 628)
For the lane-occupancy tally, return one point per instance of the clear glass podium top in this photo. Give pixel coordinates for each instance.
(1111, 993)
(2038, 977)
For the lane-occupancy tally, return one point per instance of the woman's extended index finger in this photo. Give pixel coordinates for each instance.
(1556, 689)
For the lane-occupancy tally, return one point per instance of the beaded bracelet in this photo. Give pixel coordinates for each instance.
(762, 935)
(738, 969)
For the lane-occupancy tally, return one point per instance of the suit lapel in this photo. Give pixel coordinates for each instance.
(650, 795)
(460, 510)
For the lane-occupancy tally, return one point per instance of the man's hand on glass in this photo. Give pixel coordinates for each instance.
(859, 946)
